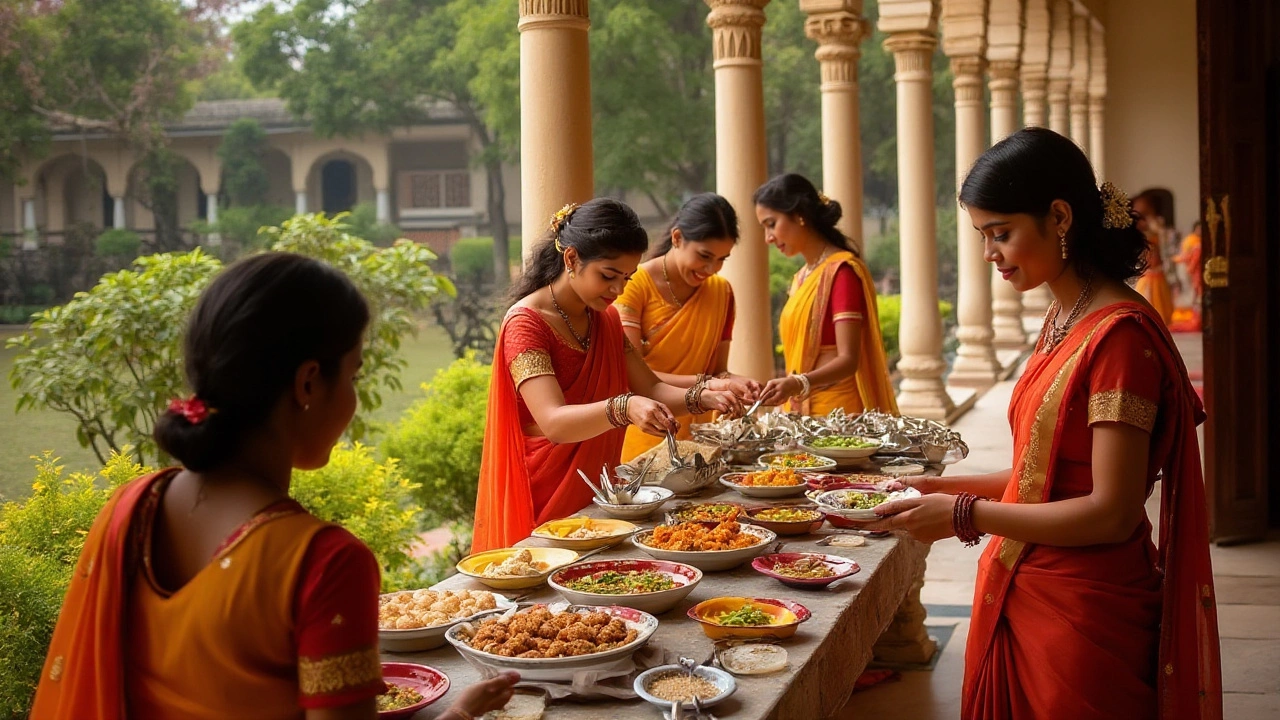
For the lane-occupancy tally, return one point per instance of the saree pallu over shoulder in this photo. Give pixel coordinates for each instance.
(83, 674)
(801, 331)
(681, 341)
(1185, 683)
(528, 480)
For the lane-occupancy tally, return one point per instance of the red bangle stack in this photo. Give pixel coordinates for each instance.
(962, 519)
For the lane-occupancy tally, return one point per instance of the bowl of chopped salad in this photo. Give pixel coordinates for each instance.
(800, 461)
(852, 504)
(805, 570)
(786, 520)
(739, 618)
(654, 586)
(410, 688)
(843, 447)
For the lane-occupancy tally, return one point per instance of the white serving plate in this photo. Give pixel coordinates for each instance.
(824, 501)
(828, 466)
(646, 501)
(710, 560)
(845, 453)
(761, 491)
(430, 638)
(559, 669)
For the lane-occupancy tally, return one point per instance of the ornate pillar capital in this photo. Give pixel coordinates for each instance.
(838, 34)
(912, 55)
(546, 14)
(966, 72)
(736, 27)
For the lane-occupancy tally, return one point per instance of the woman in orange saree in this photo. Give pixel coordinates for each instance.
(679, 313)
(205, 591)
(566, 382)
(1191, 255)
(830, 327)
(1076, 612)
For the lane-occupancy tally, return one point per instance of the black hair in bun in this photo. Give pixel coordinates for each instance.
(795, 195)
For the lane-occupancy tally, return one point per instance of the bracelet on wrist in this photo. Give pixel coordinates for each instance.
(962, 519)
(804, 385)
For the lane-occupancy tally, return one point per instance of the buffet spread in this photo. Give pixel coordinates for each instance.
(792, 476)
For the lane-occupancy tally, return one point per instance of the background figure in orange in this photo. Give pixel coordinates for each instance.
(1153, 284)
(204, 591)
(1076, 613)
(566, 381)
(679, 312)
(1191, 258)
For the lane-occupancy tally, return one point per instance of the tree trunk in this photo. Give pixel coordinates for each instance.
(497, 207)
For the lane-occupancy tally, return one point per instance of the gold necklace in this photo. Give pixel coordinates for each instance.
(1052, 334)
(585, 342)
(808, 269)
(667, 280)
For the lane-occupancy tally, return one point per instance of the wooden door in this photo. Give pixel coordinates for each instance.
(1238, 63)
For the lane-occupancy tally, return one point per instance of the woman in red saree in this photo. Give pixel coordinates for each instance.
(566, 381)
(1076, 613)
(205, 591)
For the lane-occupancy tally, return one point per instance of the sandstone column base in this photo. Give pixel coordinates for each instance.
(906, 640)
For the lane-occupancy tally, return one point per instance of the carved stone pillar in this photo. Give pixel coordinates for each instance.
(555, 112)
(1035, 64)
(1008, 306)
(741, 167)
(1098, 101)
(1079, 98)
(838, 27)
(922, 392)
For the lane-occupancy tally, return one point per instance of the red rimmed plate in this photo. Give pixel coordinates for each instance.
(787, 616)
(841, 566)
(429, 682)
(686, 578)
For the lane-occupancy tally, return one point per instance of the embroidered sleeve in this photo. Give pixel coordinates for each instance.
(1125, 377)
(1121, 406)
(336, 611)
(530, 364)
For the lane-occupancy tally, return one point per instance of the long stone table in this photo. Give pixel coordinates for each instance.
(826, 656)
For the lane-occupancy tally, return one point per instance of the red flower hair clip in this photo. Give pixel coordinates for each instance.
(193, 409)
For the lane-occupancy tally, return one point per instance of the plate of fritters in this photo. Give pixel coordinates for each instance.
(414, 620)
(710, 549)
(551, 643)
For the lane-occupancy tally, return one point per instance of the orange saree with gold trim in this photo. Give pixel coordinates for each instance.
(1124, 630)
(801, 331)
(1153, 285)
(526, 480)
(678, 340)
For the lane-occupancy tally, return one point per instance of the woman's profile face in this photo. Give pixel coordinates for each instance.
(696, 261)
(600, 282)
(1024, 250)
(781, 230)
(330, 412)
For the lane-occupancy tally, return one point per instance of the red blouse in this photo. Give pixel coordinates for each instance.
(847, 303)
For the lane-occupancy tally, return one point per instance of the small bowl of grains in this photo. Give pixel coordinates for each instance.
(667, 684)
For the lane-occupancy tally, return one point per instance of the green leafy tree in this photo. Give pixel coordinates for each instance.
(793, 105)
(244, 178)
(112, 357)
(352, 67)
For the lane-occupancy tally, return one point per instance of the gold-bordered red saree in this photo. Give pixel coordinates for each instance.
(1123, 630)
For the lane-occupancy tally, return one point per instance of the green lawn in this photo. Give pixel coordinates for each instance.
(29, 433)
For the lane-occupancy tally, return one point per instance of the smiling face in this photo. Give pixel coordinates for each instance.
(1026, 251)
(782, 230)
(695, 261)
(601, 281)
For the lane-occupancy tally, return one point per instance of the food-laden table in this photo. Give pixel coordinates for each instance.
(825, 657)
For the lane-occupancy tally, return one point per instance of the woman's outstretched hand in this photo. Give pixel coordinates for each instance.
(721, 401)
(746, 389)
(779, 390)
(927, 518)
(651, 416)
(491, 694)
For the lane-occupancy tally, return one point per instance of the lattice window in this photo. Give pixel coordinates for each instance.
(434, 189)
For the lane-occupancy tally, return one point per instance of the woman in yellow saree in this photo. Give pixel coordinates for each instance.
(679, 312)
(830, 328)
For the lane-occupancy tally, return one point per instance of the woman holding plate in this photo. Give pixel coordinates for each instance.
(1076, 612)
(566, 381)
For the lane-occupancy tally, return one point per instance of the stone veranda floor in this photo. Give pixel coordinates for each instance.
(1247, 580)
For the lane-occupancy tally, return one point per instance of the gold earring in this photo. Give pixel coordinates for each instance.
(306, 407)
(1062, 241)
(802, 221)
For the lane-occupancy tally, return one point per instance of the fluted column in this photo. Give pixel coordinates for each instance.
(555, 112)
(920, 331)
(975, 362)
(1035, 64)
(1060, 15)
(1097, 100)
(839, 28)
(741, 167)
(29, 233)
(1079, 96)
(1008, 306)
